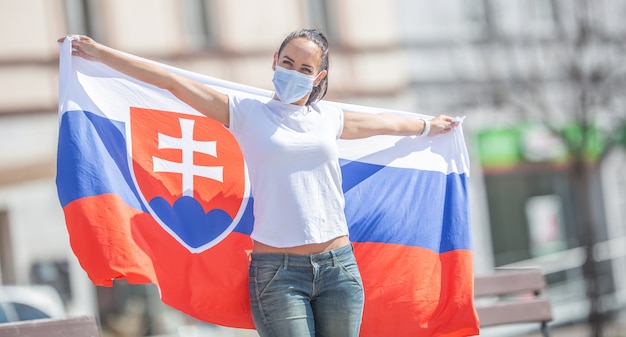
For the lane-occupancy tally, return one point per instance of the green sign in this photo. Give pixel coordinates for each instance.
(499, 148)
(507, 147)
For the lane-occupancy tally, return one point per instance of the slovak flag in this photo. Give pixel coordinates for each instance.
(153, 192)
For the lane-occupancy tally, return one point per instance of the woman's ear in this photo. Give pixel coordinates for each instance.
(320, 77)
(274, 62)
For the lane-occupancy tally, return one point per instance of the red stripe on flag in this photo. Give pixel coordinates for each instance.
(412, 291)
(409, 291)
(114, 241)
(211, 286)
(100, 236)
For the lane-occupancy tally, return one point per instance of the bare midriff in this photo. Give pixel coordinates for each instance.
(312, 248)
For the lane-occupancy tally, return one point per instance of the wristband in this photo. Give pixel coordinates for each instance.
(426, 130)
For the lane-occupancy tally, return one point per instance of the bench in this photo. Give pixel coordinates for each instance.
(510, 296)
(83, 326)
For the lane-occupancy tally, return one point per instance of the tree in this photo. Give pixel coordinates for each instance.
(572, 80)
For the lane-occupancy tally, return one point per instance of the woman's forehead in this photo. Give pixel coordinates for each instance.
(301, 48)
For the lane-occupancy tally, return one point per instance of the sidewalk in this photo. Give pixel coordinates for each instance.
(615, 328)
(583, 330)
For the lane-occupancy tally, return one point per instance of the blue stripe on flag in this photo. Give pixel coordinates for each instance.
(92, 159)
(406, 206)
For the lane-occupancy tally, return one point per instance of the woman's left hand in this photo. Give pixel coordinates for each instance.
(441, 124)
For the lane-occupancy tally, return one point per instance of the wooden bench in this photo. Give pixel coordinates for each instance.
(83, 326)
(510, 296)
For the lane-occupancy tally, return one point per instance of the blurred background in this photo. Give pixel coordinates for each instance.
(540, 81)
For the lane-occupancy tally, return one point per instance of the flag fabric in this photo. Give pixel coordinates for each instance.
(153, 192)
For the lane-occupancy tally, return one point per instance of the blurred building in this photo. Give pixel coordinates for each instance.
(500, 62)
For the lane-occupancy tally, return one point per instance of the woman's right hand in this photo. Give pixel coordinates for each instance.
(204, 99)
(85, 47)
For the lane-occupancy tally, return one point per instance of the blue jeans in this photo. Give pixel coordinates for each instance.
(317, 295)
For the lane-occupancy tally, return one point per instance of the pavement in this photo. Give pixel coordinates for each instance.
(616, 328)
(613, 329)
(582, 330)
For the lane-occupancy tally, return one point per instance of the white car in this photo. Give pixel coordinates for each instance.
(20, 303)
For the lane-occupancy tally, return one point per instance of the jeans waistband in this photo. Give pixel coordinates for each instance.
(287, 259)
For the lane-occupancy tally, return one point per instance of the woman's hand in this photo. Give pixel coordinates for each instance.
(441, 124)
(85, 47)
(204, 99)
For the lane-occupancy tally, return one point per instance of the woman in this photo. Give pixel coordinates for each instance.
(303, 277)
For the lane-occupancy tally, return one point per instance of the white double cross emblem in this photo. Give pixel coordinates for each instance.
(186, 167)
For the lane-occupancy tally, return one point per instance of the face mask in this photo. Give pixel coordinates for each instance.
(291, 85)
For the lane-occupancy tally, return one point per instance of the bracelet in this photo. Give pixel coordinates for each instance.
(426, 130)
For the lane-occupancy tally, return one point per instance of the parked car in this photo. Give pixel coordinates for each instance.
(20, 303)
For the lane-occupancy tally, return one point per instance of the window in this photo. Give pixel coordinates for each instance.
(3, 315)
(478, 17)
(27, 312)
(81, 18)
(7, 268)
(320, 17)
(514, 208)
(200, 24)
(525, 18)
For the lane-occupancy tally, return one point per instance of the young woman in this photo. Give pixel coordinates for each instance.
(303, 277)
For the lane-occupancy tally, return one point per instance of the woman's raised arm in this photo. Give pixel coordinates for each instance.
(361, 125)
(207, 101)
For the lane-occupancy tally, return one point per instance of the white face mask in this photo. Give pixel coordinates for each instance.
(291, 85)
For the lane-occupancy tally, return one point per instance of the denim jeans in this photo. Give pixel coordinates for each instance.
(317, 295)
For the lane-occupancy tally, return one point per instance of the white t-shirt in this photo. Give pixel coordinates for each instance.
(292, 157)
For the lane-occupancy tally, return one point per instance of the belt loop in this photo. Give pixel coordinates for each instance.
(334, 254)
(286, 263)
